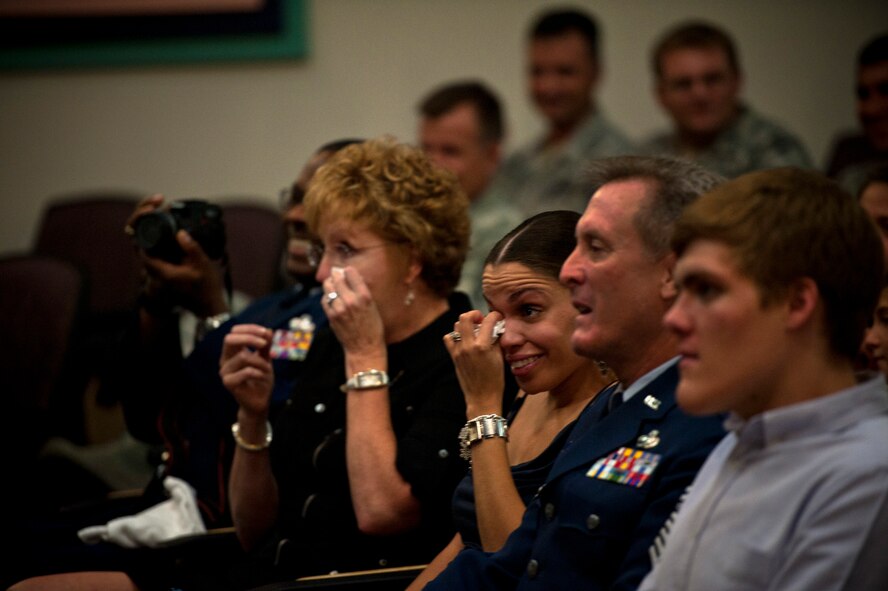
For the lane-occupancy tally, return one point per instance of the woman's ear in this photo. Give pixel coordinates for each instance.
(414, 267)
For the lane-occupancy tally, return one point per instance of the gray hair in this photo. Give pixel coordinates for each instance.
(674, 184)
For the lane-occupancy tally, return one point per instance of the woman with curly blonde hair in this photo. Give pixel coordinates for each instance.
(365, 458)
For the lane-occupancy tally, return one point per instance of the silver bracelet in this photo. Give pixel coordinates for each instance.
(235, 431)
(483, 427)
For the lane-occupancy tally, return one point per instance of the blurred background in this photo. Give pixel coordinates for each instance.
(216, 129)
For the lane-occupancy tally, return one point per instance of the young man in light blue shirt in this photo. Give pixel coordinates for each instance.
(778, 274)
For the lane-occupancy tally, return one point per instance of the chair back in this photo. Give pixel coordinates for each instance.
(255, 236)
(87, 230)
(40, 304)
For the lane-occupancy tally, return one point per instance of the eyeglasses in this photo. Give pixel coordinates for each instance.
(290, 196)
(340, 255)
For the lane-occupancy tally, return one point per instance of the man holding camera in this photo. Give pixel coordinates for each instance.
(180, 269)
(178, 399)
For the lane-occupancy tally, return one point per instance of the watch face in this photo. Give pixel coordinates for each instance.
(369, 381)
(365, 380)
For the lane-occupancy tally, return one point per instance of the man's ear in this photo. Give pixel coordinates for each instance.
(668, 291)
(597, 75)
(740, 82)
(801, 302)
(660, 91)
(494, 151)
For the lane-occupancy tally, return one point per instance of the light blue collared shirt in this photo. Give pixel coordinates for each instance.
(647, 378)
(792, 499)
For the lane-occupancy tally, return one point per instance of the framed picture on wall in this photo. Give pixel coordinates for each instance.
(36, 34)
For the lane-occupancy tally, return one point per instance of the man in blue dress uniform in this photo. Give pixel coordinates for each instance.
(633, 451)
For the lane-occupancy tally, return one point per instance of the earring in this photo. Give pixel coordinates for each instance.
(603, 368)
(408, 300)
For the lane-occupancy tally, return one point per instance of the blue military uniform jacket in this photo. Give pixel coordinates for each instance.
(195, 420)
(592, 523)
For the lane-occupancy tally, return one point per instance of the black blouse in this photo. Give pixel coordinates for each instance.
(528, 478)
(308, 455)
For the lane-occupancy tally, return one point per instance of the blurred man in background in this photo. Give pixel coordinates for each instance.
(698, 81)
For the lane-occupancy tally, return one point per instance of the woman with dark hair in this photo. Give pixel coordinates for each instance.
(511, 456)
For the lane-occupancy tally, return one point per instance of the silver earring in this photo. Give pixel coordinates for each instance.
(408, 300)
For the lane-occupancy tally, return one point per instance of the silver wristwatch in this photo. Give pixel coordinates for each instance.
(483, 427)
(366, 380)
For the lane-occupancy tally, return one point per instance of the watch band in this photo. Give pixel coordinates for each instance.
(483, 427)
(209, 324)
(366, 380)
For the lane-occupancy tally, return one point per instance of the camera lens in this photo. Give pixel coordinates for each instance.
(156, 235)
(155, 232)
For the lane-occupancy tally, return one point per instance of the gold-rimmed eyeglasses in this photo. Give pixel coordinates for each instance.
(340, 255)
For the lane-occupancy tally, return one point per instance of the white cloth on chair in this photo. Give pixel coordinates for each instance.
(170, 519)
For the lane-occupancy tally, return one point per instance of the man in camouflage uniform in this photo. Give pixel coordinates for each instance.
(461, 129)
(563, 72)
(698, 83)
(856, 155)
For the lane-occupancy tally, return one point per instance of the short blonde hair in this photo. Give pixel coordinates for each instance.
(397, 192)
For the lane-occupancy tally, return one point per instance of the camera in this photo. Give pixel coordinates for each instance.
(155, 232)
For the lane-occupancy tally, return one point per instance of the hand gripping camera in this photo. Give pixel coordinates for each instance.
(155, 232)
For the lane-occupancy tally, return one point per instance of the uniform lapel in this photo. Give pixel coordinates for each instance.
(596, 437)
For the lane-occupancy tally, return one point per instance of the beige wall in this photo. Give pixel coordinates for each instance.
(216, 130)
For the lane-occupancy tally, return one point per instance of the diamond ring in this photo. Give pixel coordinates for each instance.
(498, 329)
(331, 297)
